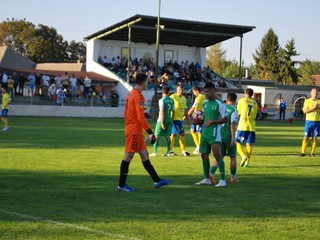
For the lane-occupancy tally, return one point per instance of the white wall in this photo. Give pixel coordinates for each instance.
(113, 48)
(66, 111)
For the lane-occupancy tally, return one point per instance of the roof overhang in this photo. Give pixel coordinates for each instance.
(173, 31)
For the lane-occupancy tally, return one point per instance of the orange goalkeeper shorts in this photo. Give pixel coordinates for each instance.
(135, 143)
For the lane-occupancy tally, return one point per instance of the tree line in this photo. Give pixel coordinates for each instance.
(272, 62)
(40, 43)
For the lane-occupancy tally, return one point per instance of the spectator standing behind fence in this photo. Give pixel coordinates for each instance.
(52, 92)
(114, 98)
(22, 80)
(10, 86)
(81, 86)
(4, 82)
(38, 84)
(57, 80)
(16, 82)
(282, 107)
(45, 84)
(65, 80)
(32, 81)
(61, 96)
(73, 81)
(86, 84)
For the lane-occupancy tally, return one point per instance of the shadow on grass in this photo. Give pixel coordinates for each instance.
(72, 198)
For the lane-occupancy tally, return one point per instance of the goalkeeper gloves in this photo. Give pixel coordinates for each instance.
(151, 135)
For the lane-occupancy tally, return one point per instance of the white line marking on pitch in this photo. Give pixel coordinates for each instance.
(69, 225)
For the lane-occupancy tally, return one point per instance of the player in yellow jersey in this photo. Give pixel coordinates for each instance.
(6, 100)
(311, 108)
(181, 114)
(247, 110)
(195, 130)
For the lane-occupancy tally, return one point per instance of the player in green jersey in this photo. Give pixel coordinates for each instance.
(164, 123)
(228, 132)
(214, 116)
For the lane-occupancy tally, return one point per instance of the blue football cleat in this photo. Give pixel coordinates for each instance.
(126, 188)
(162, 182)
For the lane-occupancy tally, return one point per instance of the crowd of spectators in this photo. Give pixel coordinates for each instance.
(36, 84)
(187, 74)
(59, 88)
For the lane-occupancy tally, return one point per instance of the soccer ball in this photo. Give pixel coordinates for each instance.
(197, 117)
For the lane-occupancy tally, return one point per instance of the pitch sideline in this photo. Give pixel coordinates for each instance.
(69, 225)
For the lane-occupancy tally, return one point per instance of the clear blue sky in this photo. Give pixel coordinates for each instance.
(289, 19)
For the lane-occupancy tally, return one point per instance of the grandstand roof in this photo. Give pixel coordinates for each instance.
(174, 31)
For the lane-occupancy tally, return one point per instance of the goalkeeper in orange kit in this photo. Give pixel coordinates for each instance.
(135, 122)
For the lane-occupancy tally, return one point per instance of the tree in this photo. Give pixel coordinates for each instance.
(230, 69)
(76, 51)
(267, 57)
(306, 70)
(39, 43)
(17, 34)
(287, 71)
(215, 57)
(48, 46)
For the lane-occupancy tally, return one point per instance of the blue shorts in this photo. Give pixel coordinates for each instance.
(245, 136)
(311, 128)
(4, 113)
(177, 127)
(196, 128)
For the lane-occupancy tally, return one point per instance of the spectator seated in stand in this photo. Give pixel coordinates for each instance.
(188, 75)
(262, 113)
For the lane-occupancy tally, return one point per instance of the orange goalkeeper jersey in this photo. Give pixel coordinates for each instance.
(134, 113)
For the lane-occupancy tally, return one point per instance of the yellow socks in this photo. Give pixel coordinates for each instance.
(182, 143)
(196, 139)
(172, 138)
(240, 149)
(304, 146)
(313, 145)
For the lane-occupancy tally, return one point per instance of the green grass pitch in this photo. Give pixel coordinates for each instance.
(58, 179)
